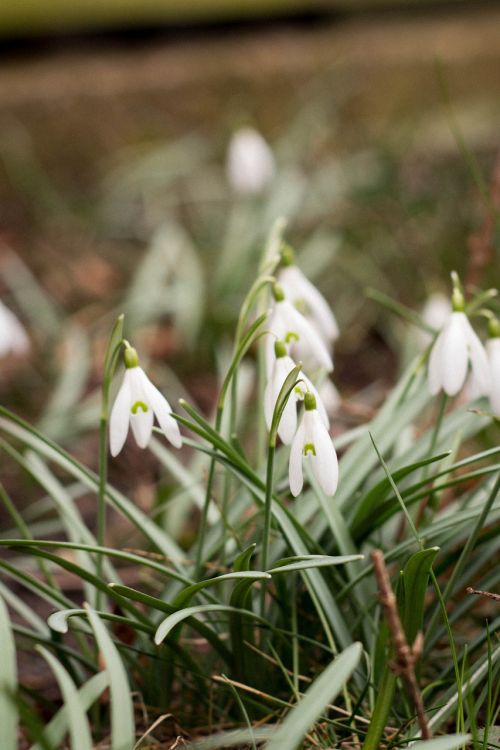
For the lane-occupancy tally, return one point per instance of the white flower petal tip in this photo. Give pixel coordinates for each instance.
(313, 443)
(13, 336)
(454, 348)
(137, 403)
(250, 165)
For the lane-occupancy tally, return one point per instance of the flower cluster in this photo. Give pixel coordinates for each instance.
(301, 328)
(457, 348)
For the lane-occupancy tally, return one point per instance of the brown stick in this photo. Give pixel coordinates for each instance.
(406, 656)
(489, 594)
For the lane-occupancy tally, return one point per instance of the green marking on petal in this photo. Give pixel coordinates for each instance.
(309, 448)
(291, 336)
(139, 405)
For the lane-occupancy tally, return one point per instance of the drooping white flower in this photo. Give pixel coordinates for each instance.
(313, 443)
(13, 337)
(493, 352)
(455, 347)
(137, 403)
(283, 365)
(310, 301)
(289, 325)
(250, 163)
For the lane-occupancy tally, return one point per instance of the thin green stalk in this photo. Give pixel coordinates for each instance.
(114, 345)
(208, 496)
(267, 516)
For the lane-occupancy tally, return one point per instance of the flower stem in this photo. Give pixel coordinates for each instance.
(208, 496)
(115, 344)
(267, 516)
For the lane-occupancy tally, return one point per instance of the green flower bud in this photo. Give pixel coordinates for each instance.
(130, 357)
(494, 328)
(278, 293)
(309, 401)
(280, 349)
(287, 255)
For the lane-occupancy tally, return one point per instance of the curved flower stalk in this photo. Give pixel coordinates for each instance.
(289, 325)
(455, 347)
(283, 366)
(307, 298)
(313, 443)
(13, 336)
(250, 163)
(137, 403)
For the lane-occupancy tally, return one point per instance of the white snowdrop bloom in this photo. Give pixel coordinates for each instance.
(454, 348)
(137, 403)
(283, 365)
(288, 324)
(250, 163)
(435, 313)
(313, 443)
(13, 337)
(493, 352)
(310, 301)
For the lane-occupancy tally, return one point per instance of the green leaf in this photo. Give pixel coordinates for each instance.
(8, 683)
(122, 709)
(182, 599)
(165, 627)
(87, 695)
(363, 519)
(78, 725)
(415, 578)
(242, 561)
(323, 691)
(448, 742)
(312, 561)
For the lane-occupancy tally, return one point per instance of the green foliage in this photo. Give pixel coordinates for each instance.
(296, 649)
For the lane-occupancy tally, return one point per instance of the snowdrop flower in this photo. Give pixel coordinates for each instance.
(313, 443)
(13, 337)
(454, 348)
(250, 163)
(288, 324)
(137, 402)
(283, 365)
(303, 294)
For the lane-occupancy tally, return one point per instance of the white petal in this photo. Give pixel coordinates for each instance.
(434, 369)
(319, 402)
(295, 476)
(141, 413)
(302, 289)
(13, 336)
(493, 350)
(330, 398)
(162, 411)
(142, 425)
(120, 417)
(308, 336)
(478, 359)
(324, 464)
(288, 422)
(453, 354)
(250, 162)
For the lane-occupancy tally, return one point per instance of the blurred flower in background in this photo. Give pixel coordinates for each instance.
(13, 337)
(251, 166)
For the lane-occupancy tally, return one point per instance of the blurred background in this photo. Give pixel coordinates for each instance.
(115, 122)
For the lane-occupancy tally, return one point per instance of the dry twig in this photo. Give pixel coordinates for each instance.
(405, 656)
(489, 594)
